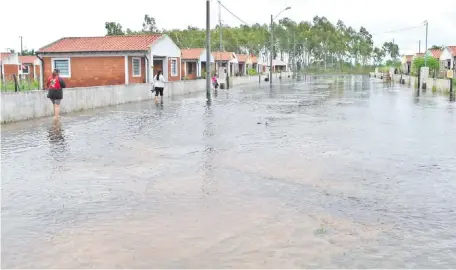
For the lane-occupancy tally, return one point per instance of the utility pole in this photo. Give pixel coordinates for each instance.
(220, 25)
(419, 46)
(294, 52)
(22, 51)
(425, 49)
(272, 51)
(208, 50)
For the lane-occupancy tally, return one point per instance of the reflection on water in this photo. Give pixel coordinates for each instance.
(56, 133)
(341, 172)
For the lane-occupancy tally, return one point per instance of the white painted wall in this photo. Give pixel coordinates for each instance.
(165, 47)
(446, 55)
(203, 57)
(12, 59)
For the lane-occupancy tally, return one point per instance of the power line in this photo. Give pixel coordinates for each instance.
(398, 30)
(241, 20)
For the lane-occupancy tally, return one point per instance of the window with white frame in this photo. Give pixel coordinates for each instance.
(25, 69)
(136, 63)
(63, 65)
(174, 67)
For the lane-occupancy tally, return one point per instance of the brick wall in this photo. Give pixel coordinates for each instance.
(37, 71)
(192, 75)
(177, 77)
(91, 71)
(10, 69)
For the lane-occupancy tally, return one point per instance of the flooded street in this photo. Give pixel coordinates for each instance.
(339, 172)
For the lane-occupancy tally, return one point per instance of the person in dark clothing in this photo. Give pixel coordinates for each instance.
(55, 86)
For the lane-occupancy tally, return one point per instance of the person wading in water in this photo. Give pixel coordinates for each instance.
(159, 85)
(55, 86)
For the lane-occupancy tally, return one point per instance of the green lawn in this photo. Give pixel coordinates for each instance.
(23, 86)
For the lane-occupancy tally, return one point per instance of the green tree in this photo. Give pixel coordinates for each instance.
(436, 47)
(378, 55)
(431, 62)
(149, 26)
(391, 49)
(316, 43)
(28, 52)
(113, 29)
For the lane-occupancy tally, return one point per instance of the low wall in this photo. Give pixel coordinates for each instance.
(33, 104)
(440, 84)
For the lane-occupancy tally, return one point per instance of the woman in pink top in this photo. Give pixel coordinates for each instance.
(214, 82)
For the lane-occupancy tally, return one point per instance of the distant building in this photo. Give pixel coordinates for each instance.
(228, 60)
(194, 63)
(278, 65)
(448, 58)
(111, 60)
(407, 63)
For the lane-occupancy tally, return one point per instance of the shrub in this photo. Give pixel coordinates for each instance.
(252, 72)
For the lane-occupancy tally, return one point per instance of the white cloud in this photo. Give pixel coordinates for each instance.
(46, 21)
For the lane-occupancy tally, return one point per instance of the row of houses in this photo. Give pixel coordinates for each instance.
(113, 60)
(446, 57)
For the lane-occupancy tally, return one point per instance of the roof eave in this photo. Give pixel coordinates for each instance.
(91, 52)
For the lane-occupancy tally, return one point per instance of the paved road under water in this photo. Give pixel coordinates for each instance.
(334, 173)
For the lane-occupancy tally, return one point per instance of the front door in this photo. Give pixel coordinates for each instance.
(158, 65)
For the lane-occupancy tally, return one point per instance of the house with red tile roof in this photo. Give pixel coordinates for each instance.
(243, 60)
(227, 60)
(111, 60)
(30, 66)
(25, 67)
(435, 53)
(407, 63)
(448, 58)
(194, 62)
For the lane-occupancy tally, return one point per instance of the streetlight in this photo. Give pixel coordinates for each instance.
(272, 42)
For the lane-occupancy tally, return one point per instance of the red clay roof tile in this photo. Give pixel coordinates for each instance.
(452, 50)
(242, 57)
(27, 59)
(101, 44)
(223, 56)
(192, 53)
(436, 53)
(4, 55)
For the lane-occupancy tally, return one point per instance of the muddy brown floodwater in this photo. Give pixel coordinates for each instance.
(340, 172)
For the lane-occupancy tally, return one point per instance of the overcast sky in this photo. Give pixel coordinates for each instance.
(45, 21)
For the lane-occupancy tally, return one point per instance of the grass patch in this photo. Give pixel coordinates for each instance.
(24, 85)
(321, 230)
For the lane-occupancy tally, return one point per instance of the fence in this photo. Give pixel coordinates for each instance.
(18, 83)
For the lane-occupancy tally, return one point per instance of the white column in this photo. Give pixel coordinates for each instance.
(151, 67)
(34, 71)
(146, 69)
(185, 68)
(165, 68)
(126, 69)
(3, 71)
(42, 75)
(198, 69)
(179, 69)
